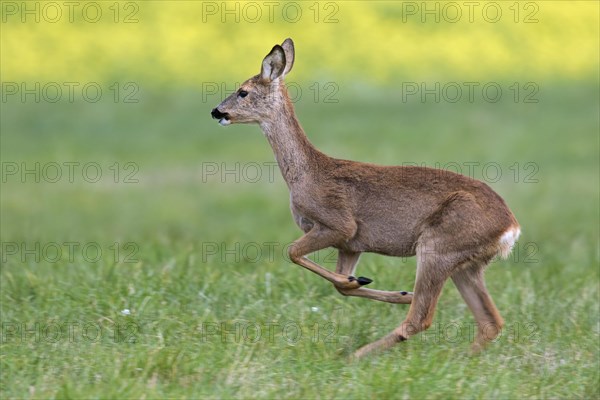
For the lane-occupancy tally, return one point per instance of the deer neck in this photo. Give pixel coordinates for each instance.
(294, 153)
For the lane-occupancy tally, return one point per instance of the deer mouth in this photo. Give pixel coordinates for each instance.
(221, 116)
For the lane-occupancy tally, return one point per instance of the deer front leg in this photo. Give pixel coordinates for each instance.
(316, 239)
(346, 265)
(379, 295)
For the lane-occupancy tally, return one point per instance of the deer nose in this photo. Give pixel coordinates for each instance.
(216, 114)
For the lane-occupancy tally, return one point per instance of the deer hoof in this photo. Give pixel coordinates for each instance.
(361, 280)
(364, 281)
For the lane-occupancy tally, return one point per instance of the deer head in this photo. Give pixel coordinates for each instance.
(259, 98)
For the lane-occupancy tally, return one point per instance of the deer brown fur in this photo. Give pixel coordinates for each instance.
(454, 224)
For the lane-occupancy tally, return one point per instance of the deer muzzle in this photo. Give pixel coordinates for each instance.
(222, 117)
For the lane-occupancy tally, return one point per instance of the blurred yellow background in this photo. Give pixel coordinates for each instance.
(187, 43)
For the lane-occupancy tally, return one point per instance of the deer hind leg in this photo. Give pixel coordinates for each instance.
(469, 282)
(346, 265)
(432, 272)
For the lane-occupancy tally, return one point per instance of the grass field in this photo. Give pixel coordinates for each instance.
(167, 275)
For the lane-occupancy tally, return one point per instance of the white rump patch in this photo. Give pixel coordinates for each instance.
(507, 241)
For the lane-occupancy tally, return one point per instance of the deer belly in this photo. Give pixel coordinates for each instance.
(385, 239)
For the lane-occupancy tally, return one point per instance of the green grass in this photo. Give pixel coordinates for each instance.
(184, 277)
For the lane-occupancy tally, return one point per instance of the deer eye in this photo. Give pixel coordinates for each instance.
(242, 93)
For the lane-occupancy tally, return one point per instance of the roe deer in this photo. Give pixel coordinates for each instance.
(454, 224)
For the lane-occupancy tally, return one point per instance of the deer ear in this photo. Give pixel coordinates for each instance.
(288, 48)
(273, 65)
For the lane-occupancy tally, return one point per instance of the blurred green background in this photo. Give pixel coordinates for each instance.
(125, 88)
